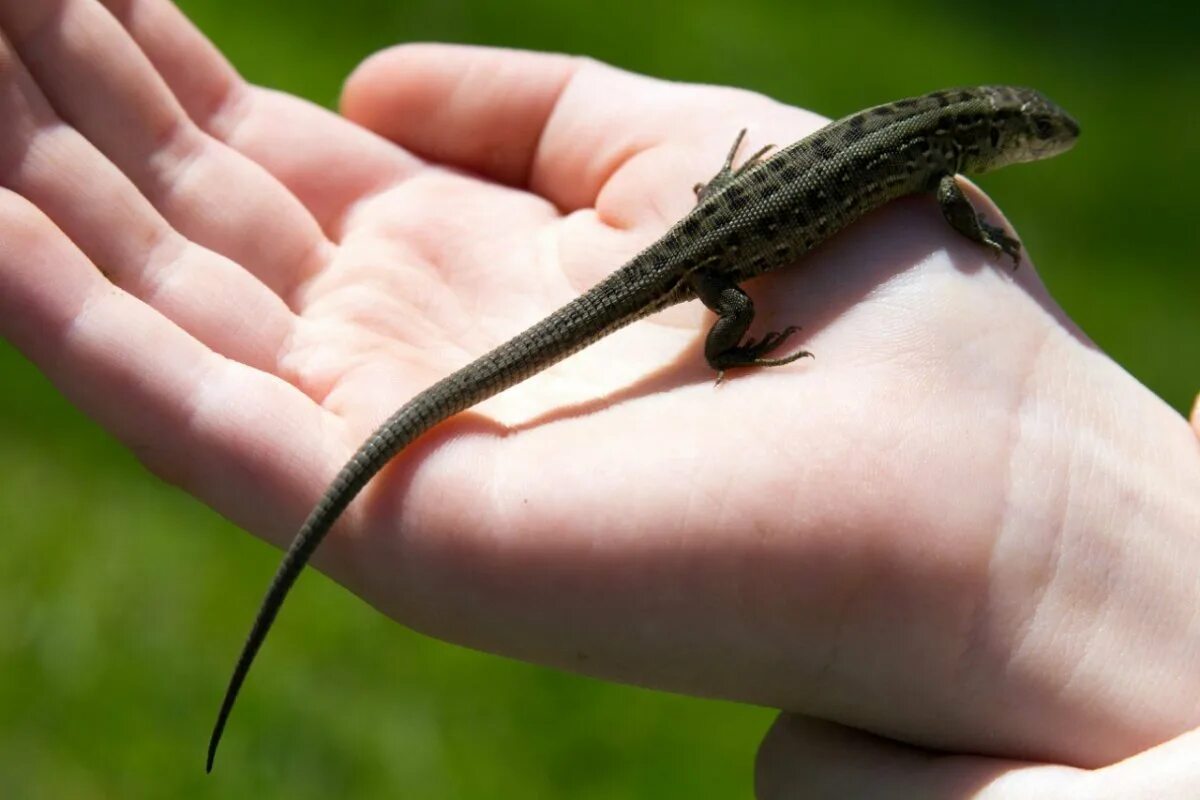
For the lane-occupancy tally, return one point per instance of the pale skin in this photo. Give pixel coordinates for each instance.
(960, 527)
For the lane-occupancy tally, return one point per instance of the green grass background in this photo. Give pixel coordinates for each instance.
(123, 601)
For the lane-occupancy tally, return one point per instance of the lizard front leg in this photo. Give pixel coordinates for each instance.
(723, 348)
(963, 217)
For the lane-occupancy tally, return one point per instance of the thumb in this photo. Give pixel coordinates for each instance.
(805, 759)
(1170, 771)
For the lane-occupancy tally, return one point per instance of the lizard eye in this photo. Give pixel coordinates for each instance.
(1043, 126)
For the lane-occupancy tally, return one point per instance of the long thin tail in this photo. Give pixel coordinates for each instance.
(369, 459)
(609, 305)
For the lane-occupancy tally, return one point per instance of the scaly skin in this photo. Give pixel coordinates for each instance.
(761, 216)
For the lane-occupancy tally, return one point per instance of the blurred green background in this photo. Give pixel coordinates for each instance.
(123, 601)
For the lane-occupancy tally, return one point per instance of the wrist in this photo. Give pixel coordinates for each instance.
(1108, 626)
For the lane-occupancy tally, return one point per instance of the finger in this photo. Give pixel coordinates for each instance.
(112, 223)
(1196, 415)
(199, 420)
(100, 83)
(326, 163)
(814, 760)
(477, 108)
(559, 125)
(1170, 771)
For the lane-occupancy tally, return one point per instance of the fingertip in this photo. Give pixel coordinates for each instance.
(1196, 415)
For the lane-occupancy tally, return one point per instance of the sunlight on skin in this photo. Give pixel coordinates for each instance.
(944, 530)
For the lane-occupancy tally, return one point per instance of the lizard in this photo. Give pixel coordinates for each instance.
(748, 220)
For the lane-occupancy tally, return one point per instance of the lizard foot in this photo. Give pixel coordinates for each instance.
(1001, 243)
(727, 173)
(751, 354)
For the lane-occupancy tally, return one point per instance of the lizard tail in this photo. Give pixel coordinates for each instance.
(369, 459)
(609, 305)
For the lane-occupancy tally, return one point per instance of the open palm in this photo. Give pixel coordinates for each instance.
(923, 533)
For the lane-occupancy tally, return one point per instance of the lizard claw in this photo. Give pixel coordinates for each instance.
(751, 354)
(1001, 243)
(727, 171)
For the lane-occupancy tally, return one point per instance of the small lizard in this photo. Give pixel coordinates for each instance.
(748, 220)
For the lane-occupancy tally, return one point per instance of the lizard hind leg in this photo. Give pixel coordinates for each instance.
(727, 173)
(723, 347)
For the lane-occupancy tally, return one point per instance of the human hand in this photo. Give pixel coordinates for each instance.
(943, 530)
(805, 758)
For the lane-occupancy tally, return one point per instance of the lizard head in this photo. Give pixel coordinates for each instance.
(1025, 126)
